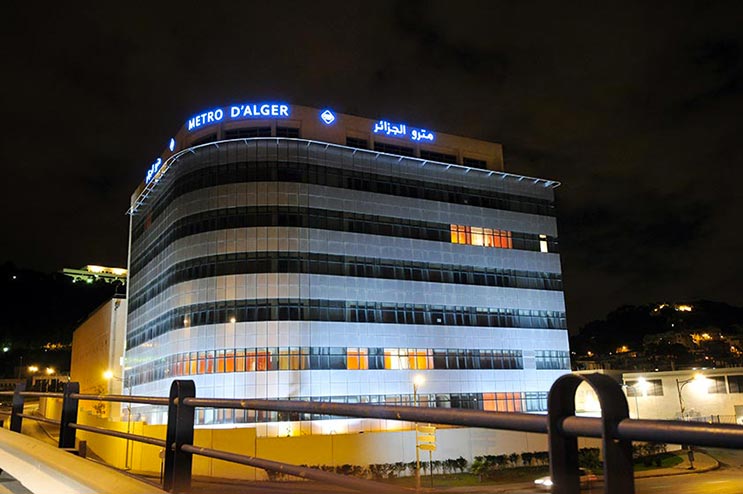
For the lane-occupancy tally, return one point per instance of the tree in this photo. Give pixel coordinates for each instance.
(461, 464)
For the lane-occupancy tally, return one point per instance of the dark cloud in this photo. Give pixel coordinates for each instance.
(633, 106)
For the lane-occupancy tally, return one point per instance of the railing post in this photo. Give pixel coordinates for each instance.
(563, 450)
(16, 421)
(69, 415)
(618, 468)
(619, 472)
(177, 475)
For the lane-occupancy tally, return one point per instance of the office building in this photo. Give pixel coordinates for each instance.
(281, 251)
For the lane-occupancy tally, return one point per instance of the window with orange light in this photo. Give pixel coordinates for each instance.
(419, 359)
(485, 237)
(239, 360)
(229, 361)
(357, 359)
(220, 361)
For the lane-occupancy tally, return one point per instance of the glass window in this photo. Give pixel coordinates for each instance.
(229, 361)
(717, 385)
(735, 383)
(240, 360)
(220, 361)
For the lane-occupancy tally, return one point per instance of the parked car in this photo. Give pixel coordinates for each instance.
(586, 478)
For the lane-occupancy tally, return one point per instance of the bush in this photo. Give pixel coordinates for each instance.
(589, 458)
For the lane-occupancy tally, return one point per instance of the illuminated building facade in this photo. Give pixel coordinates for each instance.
(92, 273)
(280, 251)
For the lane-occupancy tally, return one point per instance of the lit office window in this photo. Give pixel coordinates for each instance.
(503, 402)
(357, 358)
(419, 359)
(485, 237)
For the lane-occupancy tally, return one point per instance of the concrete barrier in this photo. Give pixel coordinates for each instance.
(42, 468)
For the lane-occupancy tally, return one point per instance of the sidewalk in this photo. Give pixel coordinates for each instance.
(702, 463)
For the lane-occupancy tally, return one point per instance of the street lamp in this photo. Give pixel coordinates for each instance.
(641, 386)
(418, 381)
(30, 379)
(49, 373)
(698, 378)
(633, 387)
(108, 376)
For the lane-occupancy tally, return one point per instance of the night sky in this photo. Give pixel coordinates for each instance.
(635, 108)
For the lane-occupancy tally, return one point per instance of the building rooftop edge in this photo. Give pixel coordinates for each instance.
(146, 188)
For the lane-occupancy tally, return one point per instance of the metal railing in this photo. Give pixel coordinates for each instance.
(563, 428)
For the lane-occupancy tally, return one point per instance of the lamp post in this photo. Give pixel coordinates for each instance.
(32, 370)
(641, 386)
(627, 389)
(108, 375)
(418, 381)
(680, 384)
(49, 373)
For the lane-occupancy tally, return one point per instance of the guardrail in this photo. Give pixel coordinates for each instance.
(563, 428)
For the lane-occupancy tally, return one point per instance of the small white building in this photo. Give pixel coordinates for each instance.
(704, 394)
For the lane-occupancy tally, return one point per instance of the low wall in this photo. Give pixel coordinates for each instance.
(330, 449)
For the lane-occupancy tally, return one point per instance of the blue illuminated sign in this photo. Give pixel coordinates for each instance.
(402, 131)
(153, 170)
(238, 112)
(327, 116)
(171, 145)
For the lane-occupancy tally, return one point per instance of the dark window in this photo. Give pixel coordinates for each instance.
(473, 163)
(434, 156)
(393, 149)
(355, 142)
(735, 383)
(549, 359)
(717, 385)
(649, 387)
(287, 132)
(204, 140)
(247, 133)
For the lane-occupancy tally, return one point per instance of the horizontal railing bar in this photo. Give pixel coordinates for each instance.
(145, 400)
(664, 431)
(122, 435)
(40, 394)
(682, 432)
(669, 431)
(518, 421)
(295, 470)
(39, 419)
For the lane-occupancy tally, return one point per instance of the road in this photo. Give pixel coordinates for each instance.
(728, 479)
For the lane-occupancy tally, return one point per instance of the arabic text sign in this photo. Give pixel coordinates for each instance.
(403, 131)
(152, 171)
